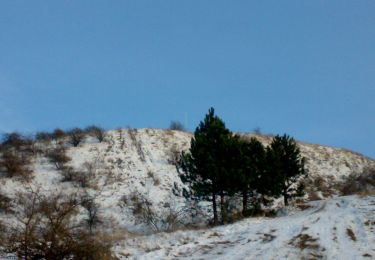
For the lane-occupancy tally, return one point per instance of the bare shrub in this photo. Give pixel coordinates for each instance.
(93, 246)
(58, 134)
(314, 195)
(43, 137)
(351, 234)
(151, 175)
(80, 178)
(319, 185)
(92, 219)
(76, 136)
(363, 183)
(15, 164)
(2, 234)
(5, 205)
(58, 157)
(68, 174)
(91, 168)
(166, 219)
(34, 149)
(176, 125)
(48, 229)
(174, 155)
(15, 140)
(137, 143)
(304, 241)
(96, 132)
(83, 179)
(156, 181)
(120, 137)
(87, 175)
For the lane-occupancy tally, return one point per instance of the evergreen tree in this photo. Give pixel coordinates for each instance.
(285, 166)
(205, 166)
(251, 170)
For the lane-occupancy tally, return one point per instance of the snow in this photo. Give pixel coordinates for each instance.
(317, 232)
(136, 160)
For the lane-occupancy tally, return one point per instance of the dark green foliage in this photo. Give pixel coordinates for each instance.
(220, 164)
(250, 170)
(285, 166)
(205, 166)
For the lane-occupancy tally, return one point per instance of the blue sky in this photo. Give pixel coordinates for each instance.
(306, 68)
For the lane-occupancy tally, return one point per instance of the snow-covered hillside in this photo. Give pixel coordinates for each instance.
(341, 228)
(140, 161)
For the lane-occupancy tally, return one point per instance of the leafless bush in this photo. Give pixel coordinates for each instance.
(151, 174)
(319, 185)
(91, 167)
(176, 125)
(81, 178)
(351, 234)
(15, 140)
(137, 143)
(95, 246)
(166, 219)
(43, 137)
(48, 229)
(156, 180)
(76, 136)
(2, 234)
(96, 132)
(15, 164)
(4, 204)
(34, 148)
(58, 134)
(58, 157)
(92, 209)
(314, 195)
(363, 183)
(174, 155)
(68, 174)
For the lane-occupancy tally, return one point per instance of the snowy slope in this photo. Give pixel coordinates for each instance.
(341, 228)
(138, 161)
(325, 161)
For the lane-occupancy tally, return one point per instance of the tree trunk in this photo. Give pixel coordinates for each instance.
(285, 193)
(244, 202)
(214, 208)
(222, 208)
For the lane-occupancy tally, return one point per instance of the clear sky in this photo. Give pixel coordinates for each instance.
(306, 68)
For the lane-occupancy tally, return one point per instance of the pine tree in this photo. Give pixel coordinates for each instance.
(251, 169)
(285, 166)
(205, 166)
